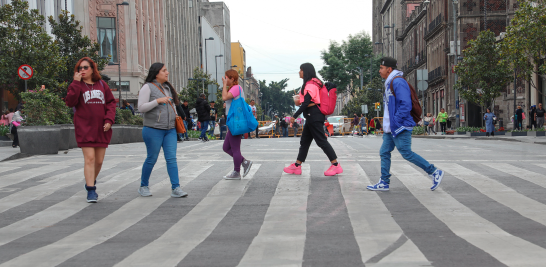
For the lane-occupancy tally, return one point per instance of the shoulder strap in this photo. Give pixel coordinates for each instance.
(392, 82)
(166, 95)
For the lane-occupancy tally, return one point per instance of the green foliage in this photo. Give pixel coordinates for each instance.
(418, 130)
(23, 40)
(196, 134)
(72, 47)
(469, 129)
(4, 130)
(125, 116)
(368, 96)
(525, 40)
(195, 88)
(45, 108)
(276, 98)
(341, 62)
(483, 75)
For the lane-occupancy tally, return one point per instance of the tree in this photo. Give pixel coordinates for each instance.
(524, 44)
(280, 101)
(483, 75)
(23, 40)
(195, 88)
(72, 47)
(342, 60)
(371, 94)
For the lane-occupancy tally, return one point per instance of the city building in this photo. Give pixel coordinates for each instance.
(238, 58)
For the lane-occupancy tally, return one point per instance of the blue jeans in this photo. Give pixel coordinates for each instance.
(154, 140)
(185, 135)
(284, 132)
(211, 131)
(223, 130)
(402, 142)
(204, 125)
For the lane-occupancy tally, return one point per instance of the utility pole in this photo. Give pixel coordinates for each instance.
(456, 45)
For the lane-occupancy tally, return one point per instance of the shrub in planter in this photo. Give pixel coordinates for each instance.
(4, 130)
(418, 130)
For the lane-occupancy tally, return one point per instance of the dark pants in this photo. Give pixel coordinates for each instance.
(519, 124)
(315, 130)
(223, 131)
(284, 131)
(15, 136)
(204, 126)
(443, 126)
(257, 136)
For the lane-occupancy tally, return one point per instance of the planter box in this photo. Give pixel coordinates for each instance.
(117, 134)
(536, 133)
(139, 134)
(4, 138)
(516, 134)
(460, 133)
(72, 143)
(475, 134)
(64, 138)
(39, 140)
(135, 133)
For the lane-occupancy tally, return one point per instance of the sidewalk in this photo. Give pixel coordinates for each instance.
(523, 139)
(8, 151)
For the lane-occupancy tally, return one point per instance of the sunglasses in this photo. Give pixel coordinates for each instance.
(84, 67)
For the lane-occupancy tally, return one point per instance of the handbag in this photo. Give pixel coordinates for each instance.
(240, 119)
(178, 122)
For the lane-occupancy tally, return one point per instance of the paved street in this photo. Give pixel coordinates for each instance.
(489, 211)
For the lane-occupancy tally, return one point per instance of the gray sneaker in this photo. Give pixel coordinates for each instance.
(247, 164)
(177, 192)
(233, 176)
(144, 191)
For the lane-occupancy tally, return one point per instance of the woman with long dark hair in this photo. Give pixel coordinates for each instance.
(94, 115)
(156, 101)
(232, 143)
(314, 126)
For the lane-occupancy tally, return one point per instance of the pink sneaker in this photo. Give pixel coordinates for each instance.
(333, 170)
(292, 169)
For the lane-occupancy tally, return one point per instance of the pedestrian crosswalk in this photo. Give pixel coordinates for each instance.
(263, 219)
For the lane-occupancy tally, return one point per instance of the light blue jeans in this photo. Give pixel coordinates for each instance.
(402, 142)
(211, 131)
(155, 139)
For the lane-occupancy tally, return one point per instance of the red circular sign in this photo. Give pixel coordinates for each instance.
(25, 72)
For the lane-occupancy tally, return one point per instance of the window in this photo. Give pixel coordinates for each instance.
(106, 28)
(124, 85)
(190, 3)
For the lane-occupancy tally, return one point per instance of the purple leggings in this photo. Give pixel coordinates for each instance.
(232, 146)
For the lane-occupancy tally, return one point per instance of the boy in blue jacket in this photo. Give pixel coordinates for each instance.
(397, 127)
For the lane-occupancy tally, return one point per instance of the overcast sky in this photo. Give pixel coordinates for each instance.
(278, 36)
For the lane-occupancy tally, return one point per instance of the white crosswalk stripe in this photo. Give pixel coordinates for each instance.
(29, 174)
(192, 229)
(467, 224)
(281, 239)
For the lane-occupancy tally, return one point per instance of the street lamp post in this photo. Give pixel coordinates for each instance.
(378, 43)
(202, 80)
(216, 63)
(119, 52)
(206, 63)
(456, 45)
(392, 33)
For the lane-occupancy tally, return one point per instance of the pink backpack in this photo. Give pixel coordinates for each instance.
(328, 98)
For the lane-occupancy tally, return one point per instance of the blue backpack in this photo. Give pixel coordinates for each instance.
(240, 119)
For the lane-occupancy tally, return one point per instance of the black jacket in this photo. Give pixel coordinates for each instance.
(180, 111)
(202, 108)
(186, 111)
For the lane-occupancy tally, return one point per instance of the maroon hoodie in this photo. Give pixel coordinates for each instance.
(95, 105)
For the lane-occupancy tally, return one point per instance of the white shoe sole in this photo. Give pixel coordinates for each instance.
(177, 196)
(91, 201)
(382, 189)
(439, 182)
(226, 178)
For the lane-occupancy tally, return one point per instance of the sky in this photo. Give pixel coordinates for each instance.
(278, 36)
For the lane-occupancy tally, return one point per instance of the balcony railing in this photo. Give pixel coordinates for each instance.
(436, 73)
(435, 23)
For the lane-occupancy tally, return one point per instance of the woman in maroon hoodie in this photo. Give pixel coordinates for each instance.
(94, 115)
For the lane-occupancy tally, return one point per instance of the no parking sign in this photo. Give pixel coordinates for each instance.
(25, 72)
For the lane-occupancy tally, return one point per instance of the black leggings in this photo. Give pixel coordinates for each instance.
(15, 136)
(443, 126)
(315, 130)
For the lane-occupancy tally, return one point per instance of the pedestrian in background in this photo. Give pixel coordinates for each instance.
(519, 118)
(181, 114)
(277, 124)
(213, 118)
(232, 145)
(15, 121)
(539, 114)
(295, 126)
(128, 106)
(203, 115)
(187, 120)
(314, 125)
(156, 101)
(284, 126)
(363, 124)
(428, 121)
(4, 118)
(255, 113)
(397, 127)
(442, 119)
(223, 127)
(532, 117)
(489, 118)
(95, 111)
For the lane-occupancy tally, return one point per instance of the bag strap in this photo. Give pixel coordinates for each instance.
(166, 95)
(392, 82)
